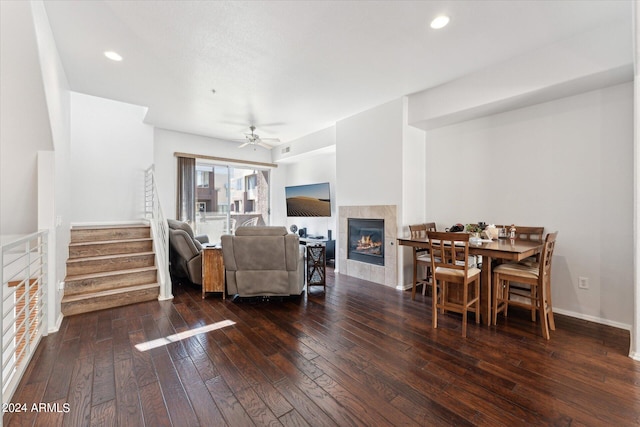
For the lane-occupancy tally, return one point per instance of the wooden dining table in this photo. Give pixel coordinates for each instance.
(505, 249)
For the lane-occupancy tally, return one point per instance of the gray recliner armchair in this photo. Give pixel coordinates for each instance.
(185, 251)
(263, 261)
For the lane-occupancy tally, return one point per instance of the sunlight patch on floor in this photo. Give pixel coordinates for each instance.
(148, 345)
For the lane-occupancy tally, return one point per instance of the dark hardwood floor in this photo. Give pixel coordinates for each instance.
(361, 354)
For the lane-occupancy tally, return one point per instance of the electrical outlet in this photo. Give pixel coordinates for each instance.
(583, 282)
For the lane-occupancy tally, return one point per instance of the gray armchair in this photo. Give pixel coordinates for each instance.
(263, 261)
(185, 251)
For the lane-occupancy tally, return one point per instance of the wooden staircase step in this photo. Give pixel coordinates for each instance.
(87, 283)
(115, 232)
(84, 303)
(98, 264)
(109, 266)
(109, 247)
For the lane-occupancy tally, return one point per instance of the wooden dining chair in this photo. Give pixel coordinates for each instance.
(533, 234)
(450, 266)
(537, 298)
(421, 256)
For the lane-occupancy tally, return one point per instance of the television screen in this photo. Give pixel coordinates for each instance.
(308, 200)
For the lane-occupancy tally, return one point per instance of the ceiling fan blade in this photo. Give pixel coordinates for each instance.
(262, 144)
(270, 139)
(243, 145)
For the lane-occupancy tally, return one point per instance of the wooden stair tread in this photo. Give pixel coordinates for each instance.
(109, 265)
(106, 293)
(105, 257)
(109, 227)
(99, 242)
(108, 273)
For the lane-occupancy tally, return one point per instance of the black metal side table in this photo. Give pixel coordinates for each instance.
(316, 266)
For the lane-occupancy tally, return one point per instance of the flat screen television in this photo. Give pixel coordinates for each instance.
(308, 200)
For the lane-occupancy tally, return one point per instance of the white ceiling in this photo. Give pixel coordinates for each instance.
(293, 68)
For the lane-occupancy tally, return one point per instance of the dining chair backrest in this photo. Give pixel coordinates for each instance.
(547, 255)
(448, 249)
(419, 231)
(526, 233)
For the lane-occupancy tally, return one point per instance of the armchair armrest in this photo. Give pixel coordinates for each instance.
(184, 244)
(203, 238)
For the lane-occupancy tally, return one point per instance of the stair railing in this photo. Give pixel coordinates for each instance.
(160, 230)
(23, 320)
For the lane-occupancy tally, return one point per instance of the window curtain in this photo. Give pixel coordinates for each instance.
(186, 203)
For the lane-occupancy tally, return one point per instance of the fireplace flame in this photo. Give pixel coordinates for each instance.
(366, 242)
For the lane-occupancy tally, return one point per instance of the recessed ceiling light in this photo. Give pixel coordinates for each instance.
(440, 22)
(113, 55)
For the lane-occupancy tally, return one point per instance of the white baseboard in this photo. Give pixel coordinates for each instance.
(593, 319)
(582, 316)
(56, 327)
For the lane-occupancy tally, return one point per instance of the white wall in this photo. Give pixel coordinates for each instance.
(167, 143)
(311, 160)
(634, 348)
(369, 157)
(566, 165)
(310, 170)
(25, 127)
(370, 160)
(54, 213)
(413, 191)
(584, 62)
(110, 150)
(314, 143)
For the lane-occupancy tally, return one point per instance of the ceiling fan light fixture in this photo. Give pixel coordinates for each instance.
(254, 139)
(440, 22)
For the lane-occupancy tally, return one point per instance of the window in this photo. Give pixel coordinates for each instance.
(251, 182)
(202, 179)
(226, 196)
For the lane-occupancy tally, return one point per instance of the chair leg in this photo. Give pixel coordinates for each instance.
(534, 298)
(544, 325)
(425, 281)
(542, 309)
(477, 303)
(434, 300)
(500, 297)
(506, 289)
(552, 323)
(465, 298)
(494, 302)
(415, 275)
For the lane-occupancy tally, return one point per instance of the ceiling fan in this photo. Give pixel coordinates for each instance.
(254, 139)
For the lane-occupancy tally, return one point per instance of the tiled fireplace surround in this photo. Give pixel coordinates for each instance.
(383, 274)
